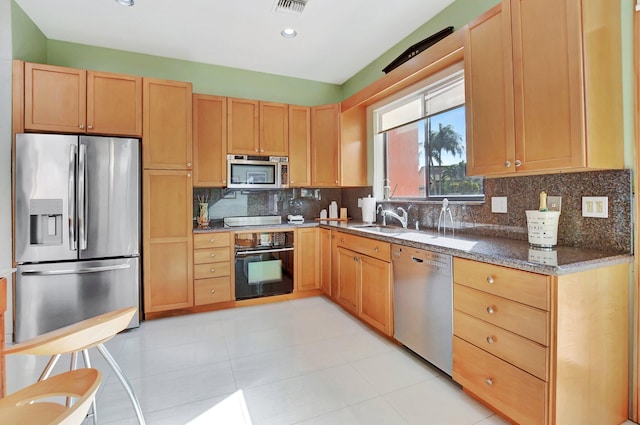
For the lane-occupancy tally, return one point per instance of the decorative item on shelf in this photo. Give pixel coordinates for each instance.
(203, 210)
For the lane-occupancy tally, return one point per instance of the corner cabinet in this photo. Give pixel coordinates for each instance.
(325, 145)
(364, 280)
(209, 141)
(168, 240)
(543, 349)
(307, 267)
(167, 125)
(554, 103)
(69, 100)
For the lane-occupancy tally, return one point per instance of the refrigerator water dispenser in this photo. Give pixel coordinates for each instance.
(45, 221)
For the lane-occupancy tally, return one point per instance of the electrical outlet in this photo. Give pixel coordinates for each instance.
(554, 203)
(499, 204)
(595, 206)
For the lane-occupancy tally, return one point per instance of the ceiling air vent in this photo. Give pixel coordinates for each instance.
(290, 6)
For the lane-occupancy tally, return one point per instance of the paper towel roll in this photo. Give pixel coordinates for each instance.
(369, 209)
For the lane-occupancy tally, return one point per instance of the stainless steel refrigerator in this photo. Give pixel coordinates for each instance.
(77, 229)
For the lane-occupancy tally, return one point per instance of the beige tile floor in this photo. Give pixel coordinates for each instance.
(295, 362)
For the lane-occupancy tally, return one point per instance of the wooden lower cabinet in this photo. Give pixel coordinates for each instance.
(364, 280)
(167, 240)
(543, 349)
(212, 256)
(325, 261)
(307, 258)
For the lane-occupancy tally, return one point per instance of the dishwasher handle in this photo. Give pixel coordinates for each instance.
(416, 259)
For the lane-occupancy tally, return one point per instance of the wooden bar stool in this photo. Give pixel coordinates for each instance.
(34, 405)
(79, 337)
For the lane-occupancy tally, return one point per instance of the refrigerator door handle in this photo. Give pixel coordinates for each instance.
(82, 197)
(75, 271)
(73, 241)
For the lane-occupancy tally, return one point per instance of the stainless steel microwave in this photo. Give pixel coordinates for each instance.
(257, 172)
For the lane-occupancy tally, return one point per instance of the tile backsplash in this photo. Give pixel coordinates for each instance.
(610, 234)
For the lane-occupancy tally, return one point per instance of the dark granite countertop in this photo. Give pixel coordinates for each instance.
(503, 252)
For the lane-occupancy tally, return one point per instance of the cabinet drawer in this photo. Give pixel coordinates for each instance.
(519, 351)
(518, 318)
(525, 287)
(203, 271)
(212, 290)
(508, 389)
(371, 247)
(213, 255)
(211, 240)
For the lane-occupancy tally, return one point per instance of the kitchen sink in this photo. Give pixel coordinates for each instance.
(376, 228)
(443, 241)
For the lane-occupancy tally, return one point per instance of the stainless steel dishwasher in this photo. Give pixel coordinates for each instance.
(423, 304)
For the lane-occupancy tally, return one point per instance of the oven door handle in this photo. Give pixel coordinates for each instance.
(264, 251)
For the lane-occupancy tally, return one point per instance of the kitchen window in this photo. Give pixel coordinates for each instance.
(420, 143)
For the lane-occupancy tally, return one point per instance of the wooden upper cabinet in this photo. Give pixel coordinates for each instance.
(274, 129)
(489, 94)
(54, 98)
(243, 126)
(567, 93)
(353, 147)
(167, 125)
(299, 146)
(325, 145)
(70, 100)
(209, 141)
(114, 104)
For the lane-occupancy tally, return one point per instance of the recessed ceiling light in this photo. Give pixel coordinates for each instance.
(288, 33)
(125, 2)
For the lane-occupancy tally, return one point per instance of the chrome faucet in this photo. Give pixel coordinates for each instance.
(384, 216)
(403, 219)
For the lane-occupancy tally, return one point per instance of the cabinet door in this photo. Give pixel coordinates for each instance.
(274, 129)
(549, 110)
(167, 240)
(375, 294)
(307, 255)
(353, 147)
(348, 278)
(167, 124)
(489, 94)
(114, 104)
(299, 146)
(209, 141)
(243, 126)
(325, 145)
(54, 98)
(325, 261)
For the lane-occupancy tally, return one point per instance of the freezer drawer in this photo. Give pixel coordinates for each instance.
(49, 296)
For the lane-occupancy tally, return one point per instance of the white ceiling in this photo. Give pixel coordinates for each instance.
(336, 38)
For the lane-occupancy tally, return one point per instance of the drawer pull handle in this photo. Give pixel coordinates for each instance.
(490, 340)
(213, 270)
(213, 291)
(489, 381)
(490, 279)
(491, 309)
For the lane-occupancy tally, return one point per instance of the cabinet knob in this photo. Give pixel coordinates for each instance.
(507, 164)
(490, 279)
(213, 254)
(189, 175)
(213, 291)
(213, 270)
(261, 150)
(518, 163)
(336, 181)
(491, 309)
(81, 126)
(376, 249)
(89, 127)
(491, 340)
(489, 381)
(188, 164)
(212, 240)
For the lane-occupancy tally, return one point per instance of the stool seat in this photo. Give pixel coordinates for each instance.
(77, 336)
(28, 405)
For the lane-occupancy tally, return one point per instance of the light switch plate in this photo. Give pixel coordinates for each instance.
(499, 204)
(595, 206)
(554, 203)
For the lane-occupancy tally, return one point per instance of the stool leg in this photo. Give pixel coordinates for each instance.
(87, 363)
(49, 367)
(125, 383)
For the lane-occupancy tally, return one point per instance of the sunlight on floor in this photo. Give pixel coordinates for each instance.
(230, 411)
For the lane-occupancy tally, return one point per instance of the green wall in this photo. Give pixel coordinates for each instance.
(28, 42)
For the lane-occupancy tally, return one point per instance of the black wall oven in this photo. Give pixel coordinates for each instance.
(264, 264)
